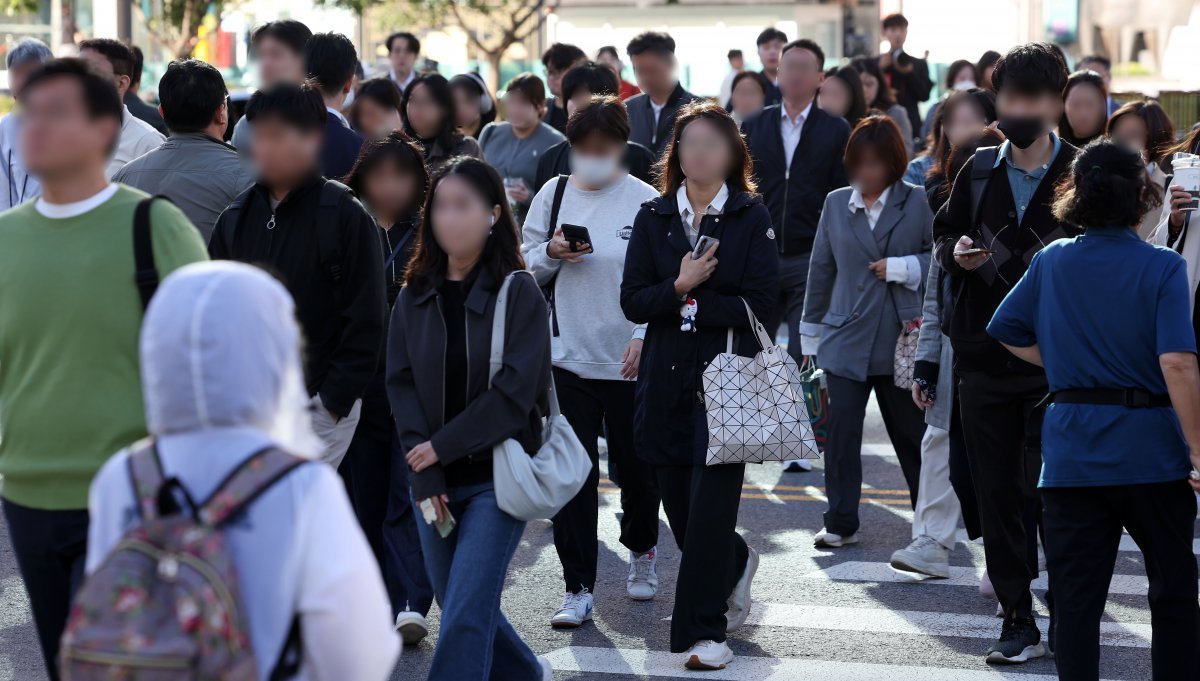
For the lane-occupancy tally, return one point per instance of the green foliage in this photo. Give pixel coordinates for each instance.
(12, 7)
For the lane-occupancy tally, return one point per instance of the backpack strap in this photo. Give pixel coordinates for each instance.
(981, 172)
(329, 241)
(559, 190)
(253, 477)
(145, 274)
(146, 476)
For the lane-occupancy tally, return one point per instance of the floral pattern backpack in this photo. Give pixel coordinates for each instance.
(164, 605)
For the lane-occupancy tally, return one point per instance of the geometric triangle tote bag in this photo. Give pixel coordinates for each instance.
(755, 405)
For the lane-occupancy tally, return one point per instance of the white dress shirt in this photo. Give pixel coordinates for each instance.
(903, 270)
(690, 223)
(338, 115)
(412, 75)
(790, 129)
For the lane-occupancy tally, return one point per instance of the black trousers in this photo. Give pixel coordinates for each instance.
(702, 507)
(1083, 531)
(905, 425)
(960, 473)
(376, 477)
(1002, 428)
(589, 405)
(51, 548)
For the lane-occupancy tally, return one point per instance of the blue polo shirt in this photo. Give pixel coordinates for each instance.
(1101, 308)
(1023, 183)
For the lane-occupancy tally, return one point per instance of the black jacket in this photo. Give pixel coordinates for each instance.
(642, 127)
(911, 88)
(796, 195)
(556, 161)
(980, 291)
(669, 422)
(340, 149)
(343, 320)
(511, 408)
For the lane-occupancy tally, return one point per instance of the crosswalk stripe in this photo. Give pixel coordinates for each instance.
(859, 571)
(591, 660)
(883, 621)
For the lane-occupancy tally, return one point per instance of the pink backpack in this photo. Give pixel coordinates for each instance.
(164, 605)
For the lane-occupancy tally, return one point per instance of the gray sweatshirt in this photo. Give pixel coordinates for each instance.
(593, 331)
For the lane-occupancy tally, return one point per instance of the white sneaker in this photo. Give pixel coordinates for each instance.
(924, 555)
(828, 540)
(985, 586)
(574, 611)
(739, 601)
(642, 582)
(708, 655)
(547, 670)
(412, 627)
(797, 466)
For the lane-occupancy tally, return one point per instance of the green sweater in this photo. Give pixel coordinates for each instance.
(70, 388)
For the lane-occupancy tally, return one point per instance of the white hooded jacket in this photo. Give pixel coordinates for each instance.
(221, 375)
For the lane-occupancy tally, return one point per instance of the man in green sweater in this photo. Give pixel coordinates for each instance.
(70, 312)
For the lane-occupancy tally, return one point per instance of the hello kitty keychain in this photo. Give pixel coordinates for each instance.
(688, 311)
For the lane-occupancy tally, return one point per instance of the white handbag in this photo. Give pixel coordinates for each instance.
(756, 409)
(535, 487)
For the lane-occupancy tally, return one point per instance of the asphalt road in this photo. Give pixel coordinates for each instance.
(832, 615)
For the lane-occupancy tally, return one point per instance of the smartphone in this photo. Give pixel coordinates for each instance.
(702, 246)
(443, 528)
(975, 251)
(577, 236)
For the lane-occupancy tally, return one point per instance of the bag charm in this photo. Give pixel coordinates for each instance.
(688, 311)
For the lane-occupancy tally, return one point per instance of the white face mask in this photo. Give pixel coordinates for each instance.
(964, 85)
(594, 171)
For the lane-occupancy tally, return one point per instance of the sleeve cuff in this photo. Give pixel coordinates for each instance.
(809, 345)
(905, 270)
(639, 332)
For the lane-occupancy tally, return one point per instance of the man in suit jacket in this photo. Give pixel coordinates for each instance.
(331, 60)
(652, 113)
(908, 75)
(770, 50)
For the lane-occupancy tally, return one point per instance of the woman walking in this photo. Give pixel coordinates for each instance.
(707, 191)
(450, 415)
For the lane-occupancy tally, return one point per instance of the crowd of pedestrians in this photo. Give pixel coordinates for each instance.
(411, 273)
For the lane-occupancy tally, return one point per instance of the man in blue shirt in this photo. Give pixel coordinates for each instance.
(1109, 317)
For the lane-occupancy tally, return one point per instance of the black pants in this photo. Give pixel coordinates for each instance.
(1002, 428)
(376, 477)
(702, 507)
(843, 451)
(1083, 530)
(589, 405)
(960, 473)
(51, 548)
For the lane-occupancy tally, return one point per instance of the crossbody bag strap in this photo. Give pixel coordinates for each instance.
(496, 360)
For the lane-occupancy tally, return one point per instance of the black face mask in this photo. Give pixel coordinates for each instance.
(1022, 131)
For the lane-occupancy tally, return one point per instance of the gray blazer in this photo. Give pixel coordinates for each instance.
(846, 305)
(935, 348)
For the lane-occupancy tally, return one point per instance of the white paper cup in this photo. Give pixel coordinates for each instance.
(1188, 177)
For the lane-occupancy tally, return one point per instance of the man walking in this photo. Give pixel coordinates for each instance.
(403, 50)
(115, 60)
(907, 75)
(770, 51)
(652, 113)
(278, 48)
(330, 60)
(133, 98)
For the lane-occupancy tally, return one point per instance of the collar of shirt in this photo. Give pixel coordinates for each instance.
(60, 211)
(800, 118)
(714, 207)
(1005, 156)
(856, 203)
(338, 115)
(402, 84)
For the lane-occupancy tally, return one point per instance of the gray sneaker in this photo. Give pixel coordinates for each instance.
(739, 601)
(642, 582)
(924, 556)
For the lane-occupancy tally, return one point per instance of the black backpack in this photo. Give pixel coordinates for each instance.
(145, 274)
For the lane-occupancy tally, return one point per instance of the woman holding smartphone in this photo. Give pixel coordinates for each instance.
(865, 280)
(450, 416)
(688, 304)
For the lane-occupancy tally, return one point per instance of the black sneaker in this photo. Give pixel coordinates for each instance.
(1020, 641)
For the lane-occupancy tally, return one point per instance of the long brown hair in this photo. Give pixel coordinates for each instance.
(740, 177)
(1160, 131)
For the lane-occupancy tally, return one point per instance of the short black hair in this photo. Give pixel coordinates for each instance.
(604, 115)
(330, 61)
(191, 92)
(139, 60)
(652, 42)
(290, 32)
(1099, 59)
(1031, 69)
(770, 34)
(896, 20)
(99, 95)
(116, 52)
(298, 105)
(562, 56)
(1107, 185)
(733, 54)
(806, 44)
(609, 49)
(597, 79)
(414, 45)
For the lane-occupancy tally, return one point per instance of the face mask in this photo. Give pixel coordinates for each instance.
(964, 85)
(1022, 131)
(595, 171)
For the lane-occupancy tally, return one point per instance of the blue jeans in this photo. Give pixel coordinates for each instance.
(468, 568)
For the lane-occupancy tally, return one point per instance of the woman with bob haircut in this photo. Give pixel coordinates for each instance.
(706, 189)
(865, 281)
(1108, 316)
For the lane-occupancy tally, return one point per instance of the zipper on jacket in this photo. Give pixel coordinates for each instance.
(446, 339)
(271, 232)
(467, 346)
(787, 180)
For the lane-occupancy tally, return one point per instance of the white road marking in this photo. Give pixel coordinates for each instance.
(14, 605)
(662, 664)
(858, 571)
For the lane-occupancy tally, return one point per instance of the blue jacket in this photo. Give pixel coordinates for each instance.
(669, 420)
(795, 195)
(339, 150)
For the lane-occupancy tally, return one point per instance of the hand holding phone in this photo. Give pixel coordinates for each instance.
(577, 238)
(562, 247)
(702, 245)
(967, 255)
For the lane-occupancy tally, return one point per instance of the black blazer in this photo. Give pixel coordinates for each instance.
(669, 419)
(795, 195)
(340, 149)
(642, 128)
(416, 378)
